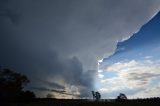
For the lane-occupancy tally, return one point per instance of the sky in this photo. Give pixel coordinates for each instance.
(74, 46)
(134, 68)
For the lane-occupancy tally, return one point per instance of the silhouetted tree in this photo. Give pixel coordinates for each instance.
(93, 94)
(96, 95)
(11, 83)
(121, 97)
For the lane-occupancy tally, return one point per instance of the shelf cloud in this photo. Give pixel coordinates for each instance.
(61, 41)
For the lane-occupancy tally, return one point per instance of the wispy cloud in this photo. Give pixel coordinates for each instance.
(135, 75)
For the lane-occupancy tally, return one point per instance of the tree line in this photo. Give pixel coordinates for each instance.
(11, 86)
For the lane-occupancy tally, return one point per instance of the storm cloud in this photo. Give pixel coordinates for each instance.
(60, 41)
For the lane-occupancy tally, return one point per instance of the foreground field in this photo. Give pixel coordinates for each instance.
(52, 102)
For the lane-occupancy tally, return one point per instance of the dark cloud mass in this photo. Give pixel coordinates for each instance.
(57, 43)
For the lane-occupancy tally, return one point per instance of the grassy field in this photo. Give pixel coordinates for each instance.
(82, 103)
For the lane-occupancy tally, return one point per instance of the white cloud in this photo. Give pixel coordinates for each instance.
(148, 57)
(100, 75)
(119, 66)
(148, 92)
(100, 71)
(133, 76)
